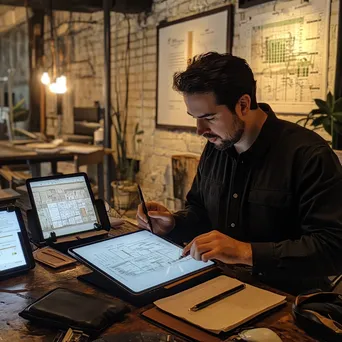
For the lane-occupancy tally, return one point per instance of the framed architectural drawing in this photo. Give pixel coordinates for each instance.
(178, 41)
(288, 53)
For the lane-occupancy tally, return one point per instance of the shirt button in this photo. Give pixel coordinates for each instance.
(232, 225)
(235, 195)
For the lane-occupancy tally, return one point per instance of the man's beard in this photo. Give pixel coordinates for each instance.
(238, 129)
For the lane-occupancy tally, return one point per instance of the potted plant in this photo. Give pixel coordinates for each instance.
(328, 115)
(125, 187)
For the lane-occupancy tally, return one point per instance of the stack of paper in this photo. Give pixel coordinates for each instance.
(225, 314)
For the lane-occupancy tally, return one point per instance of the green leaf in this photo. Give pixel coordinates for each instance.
(315, 111)
(323, 106)
(338, 105)
(327, 125)
(318, 121)
(330, 100)
(337, 115)
(338, 128)
(18, 105)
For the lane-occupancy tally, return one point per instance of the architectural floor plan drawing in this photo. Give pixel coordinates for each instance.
(140, 257)
(139, 260)
(64, 206)
(288, 55)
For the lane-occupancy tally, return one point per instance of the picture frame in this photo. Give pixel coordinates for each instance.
(250, 3)
(178, 41)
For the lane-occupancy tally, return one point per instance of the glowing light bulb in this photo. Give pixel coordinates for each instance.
(59, 87)
(61, 80)
(45, 78)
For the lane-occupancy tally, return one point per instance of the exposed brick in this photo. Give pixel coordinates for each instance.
(158, 145)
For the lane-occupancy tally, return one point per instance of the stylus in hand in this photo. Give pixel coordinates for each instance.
(144, 208)
(218, 297)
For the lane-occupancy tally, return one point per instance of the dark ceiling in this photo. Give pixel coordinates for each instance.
(125, 6)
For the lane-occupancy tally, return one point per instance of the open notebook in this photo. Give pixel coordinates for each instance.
(228, 313)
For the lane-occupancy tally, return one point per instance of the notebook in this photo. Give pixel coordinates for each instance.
(228, 313)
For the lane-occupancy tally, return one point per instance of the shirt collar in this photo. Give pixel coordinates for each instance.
(265, 139)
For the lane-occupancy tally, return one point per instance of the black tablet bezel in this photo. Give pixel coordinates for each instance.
(117, 282)
(25, 245)
(35, 211)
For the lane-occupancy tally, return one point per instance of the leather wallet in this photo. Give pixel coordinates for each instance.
(62, 308)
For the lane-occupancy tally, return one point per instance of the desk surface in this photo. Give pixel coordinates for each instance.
(10, 153)
(17, 293)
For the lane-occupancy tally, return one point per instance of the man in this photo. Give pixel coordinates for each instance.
(267, 194)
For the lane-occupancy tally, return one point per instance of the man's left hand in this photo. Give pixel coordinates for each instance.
(218, 246)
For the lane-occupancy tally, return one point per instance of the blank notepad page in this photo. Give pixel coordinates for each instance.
(226, 314)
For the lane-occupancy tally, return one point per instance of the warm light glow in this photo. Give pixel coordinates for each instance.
(45, 78)
(59, 87)
(61, 80)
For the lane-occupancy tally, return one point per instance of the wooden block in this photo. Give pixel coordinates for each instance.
(8, 196)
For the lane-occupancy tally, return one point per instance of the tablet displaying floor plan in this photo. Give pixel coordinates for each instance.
(139, 261)
(63, 205)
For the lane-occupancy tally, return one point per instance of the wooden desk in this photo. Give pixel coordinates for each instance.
(19, 154)
(42, 279)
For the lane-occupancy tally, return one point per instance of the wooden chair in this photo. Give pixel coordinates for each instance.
(88, 159)
(184, 168)
(86, 121)
(14, 175)
(94, 158)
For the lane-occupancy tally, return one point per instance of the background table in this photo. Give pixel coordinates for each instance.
(19, 154)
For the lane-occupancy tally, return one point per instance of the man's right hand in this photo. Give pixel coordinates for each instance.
(162, 220)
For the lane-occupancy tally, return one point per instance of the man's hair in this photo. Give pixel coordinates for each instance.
(228, 77)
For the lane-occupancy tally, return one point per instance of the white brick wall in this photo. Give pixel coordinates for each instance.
(158, 145)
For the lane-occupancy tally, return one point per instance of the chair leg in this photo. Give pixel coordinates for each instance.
(335, 282)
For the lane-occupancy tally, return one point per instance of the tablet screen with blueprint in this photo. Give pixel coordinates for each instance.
(139, 261)
(63, 204)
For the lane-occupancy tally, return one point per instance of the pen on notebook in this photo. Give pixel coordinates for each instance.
(218, 297)
(144, 207)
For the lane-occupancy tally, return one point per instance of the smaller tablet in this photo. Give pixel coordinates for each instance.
(139, 262)
(15, 250)
(63, 204)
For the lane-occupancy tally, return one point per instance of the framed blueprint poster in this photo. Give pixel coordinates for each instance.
(288, 53)
(178, 41)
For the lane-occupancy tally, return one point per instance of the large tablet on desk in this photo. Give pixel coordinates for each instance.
(139, 262)
(63, 204)
(15, 250)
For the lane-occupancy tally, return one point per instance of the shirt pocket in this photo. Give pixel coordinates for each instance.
(272, 198)
(269, 214)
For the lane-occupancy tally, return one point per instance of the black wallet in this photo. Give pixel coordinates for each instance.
(62, 308)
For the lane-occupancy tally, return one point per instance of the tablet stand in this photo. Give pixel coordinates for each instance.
(63, 243)
(98, 280)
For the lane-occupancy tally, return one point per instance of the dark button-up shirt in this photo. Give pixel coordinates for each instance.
(283, 195)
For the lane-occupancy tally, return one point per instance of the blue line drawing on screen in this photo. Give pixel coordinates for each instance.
(140, 257)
